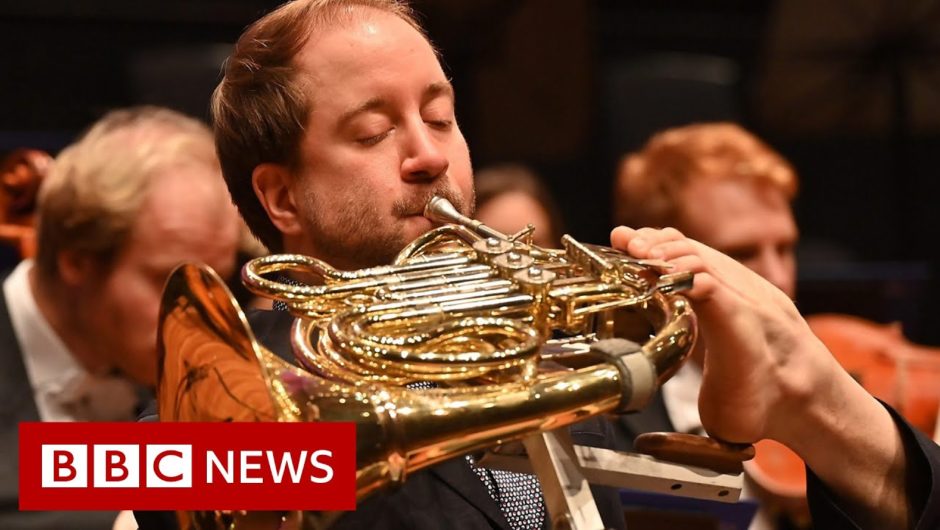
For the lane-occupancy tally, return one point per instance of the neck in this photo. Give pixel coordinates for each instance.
(64, 320)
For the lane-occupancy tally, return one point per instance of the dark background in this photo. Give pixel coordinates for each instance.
(848, 90)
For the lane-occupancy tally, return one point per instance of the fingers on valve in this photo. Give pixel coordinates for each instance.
(670, 250)
(645, 242)
(621, 236)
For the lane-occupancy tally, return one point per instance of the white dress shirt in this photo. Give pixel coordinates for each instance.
(62, 389)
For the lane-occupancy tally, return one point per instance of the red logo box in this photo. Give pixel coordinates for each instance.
(187, 466)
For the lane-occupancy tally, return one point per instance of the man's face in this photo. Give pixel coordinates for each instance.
(753, 224)
(185, 217)
(381, 139)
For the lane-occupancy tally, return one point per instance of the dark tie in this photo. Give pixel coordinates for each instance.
(519, 495)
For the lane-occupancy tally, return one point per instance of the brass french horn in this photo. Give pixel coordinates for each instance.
(500, 329)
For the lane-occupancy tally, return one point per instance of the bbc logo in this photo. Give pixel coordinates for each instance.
(117, 466)
(187, 466)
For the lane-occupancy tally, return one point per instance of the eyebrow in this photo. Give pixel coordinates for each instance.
(367, 106)
(440, 88)
(432, 91)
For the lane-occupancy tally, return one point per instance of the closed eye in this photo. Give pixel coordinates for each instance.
(373, 140)
(441, 125)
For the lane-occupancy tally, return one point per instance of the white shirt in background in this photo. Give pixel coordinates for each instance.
(62, 389)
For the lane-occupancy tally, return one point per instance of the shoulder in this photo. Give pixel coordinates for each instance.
(272, 329)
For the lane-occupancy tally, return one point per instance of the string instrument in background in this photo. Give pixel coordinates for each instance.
(21, 172)
(897, 371)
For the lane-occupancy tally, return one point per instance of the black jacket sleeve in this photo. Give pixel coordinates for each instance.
(923, 459)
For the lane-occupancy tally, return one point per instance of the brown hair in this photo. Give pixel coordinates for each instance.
(261, 107)
(496, 180)
(94, 190)
(650, 182)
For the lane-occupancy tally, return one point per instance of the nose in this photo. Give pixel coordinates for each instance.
(779, 269)
(424, 157)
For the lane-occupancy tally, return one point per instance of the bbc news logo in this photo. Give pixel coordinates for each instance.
(116, 466)
(170, 466)
(187, 466)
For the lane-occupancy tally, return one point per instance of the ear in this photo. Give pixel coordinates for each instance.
(76, 268)
(272, 185)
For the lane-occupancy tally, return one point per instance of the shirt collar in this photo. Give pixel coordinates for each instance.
(62, 388)
(50, 365)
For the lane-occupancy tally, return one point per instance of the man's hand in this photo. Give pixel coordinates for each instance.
(766, 375)
(763, 362)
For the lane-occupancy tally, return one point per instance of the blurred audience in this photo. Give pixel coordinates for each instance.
(721, 185)
(511, 196)
(136, 195)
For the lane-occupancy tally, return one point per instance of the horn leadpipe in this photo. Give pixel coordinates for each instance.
(440, 210)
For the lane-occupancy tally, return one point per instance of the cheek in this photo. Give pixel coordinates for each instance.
(343, 185)
(134, 306)
(460, 170)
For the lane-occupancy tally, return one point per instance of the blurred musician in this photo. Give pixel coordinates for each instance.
(139, 193)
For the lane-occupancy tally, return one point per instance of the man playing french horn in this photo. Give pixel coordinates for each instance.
(335, 126)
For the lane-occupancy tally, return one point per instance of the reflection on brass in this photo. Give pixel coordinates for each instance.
(463, 307)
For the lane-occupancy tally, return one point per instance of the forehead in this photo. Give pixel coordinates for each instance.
(186, 216)
(364, 48)
(727, 213)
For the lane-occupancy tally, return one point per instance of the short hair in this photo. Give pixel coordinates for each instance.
(493, 181)
(261, 107)
(650, 182)
(94, 190)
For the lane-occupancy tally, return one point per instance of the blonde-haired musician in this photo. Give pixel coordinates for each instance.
(136, 195)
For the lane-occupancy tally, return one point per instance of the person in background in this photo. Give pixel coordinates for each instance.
(721, 185)
(718, 184)
(511, 196)
(135, 196)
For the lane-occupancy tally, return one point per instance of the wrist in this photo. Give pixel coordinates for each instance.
(811, 386)
(851, 443)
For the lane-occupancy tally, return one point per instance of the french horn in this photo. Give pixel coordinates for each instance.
(470, 339)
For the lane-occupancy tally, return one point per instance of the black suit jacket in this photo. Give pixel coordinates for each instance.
(17, 405)
(653, 418)
(922, 454)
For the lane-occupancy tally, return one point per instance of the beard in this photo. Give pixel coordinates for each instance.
(352, 233)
